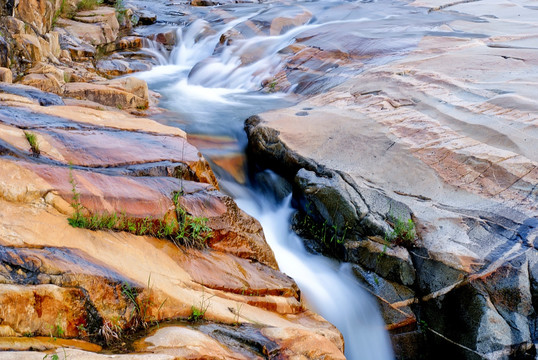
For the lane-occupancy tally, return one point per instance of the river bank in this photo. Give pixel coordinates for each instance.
(80, 151)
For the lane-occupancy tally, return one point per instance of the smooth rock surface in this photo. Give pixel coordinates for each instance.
(445, 135)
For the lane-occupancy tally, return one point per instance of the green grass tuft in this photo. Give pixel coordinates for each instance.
(32, 140)
(187, 230)
(83, 5)
(403, 233)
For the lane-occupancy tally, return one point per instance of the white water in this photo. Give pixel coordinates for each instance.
(219, 90)
(329, 288)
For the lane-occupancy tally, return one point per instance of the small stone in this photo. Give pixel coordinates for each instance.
(6, 75)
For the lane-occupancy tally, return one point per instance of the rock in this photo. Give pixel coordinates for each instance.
(392, 263)
(23, 345)
(31, 46)
(181, 342)
(42, 309)
(135, 86)
(203, 3)
(119, 67)
(6, 75)
(394, 300)
(105, 16)
(44, 98)
(37, 13)
(44, 82)
(105, 95)
(78, 49)
(50, 70)
(296, 342)
(94, 33)
(423, 137)
(4, 53)
(145, 17)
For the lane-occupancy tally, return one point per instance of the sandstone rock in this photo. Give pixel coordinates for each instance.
(425, 135)
(119, 67)
(145, 17)
(187, 343)
(44, 82)
(102, 15)
(6, 75)
(77, 48)
(4, 53)
(135, 86)
(47, 69)
(99, 33)
(295, 342)
(31, 46)
(105, 95)
(42, 309)
(14, 26)
(10, 345)
(37, 13)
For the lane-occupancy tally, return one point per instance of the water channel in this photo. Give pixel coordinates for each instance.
(212, 81)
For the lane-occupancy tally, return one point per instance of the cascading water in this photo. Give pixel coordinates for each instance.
(216, 86)
(328, 287)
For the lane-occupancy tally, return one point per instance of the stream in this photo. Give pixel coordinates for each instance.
(211, 86)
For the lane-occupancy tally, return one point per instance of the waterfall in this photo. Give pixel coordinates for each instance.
(215, 86)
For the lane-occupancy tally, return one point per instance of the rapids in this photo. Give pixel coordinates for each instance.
(211, 86)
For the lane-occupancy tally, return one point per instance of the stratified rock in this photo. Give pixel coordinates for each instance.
(97, 27)
(105, 95)
(44, 98)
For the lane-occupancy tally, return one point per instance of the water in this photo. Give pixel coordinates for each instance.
(329, 288)
(212, 86)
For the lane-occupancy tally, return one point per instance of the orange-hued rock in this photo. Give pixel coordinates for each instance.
(216, 270)
(42, 309)
(297, 343)
(105, 95)
(97, 27)
(14, 344)
(185, 343)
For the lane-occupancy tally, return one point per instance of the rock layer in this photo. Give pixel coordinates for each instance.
(71, 291)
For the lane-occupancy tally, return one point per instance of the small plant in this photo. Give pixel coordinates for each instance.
(78, 219)
(237, 313)
(141, 313)
(198, 312)
(328, 235)
(83, 5)
(403, 232)
(52, 357)
(121, 11)
(32, 140)
(82, 330)
(187, 230)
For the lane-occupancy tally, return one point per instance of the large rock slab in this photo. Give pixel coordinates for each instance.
(433, 136)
